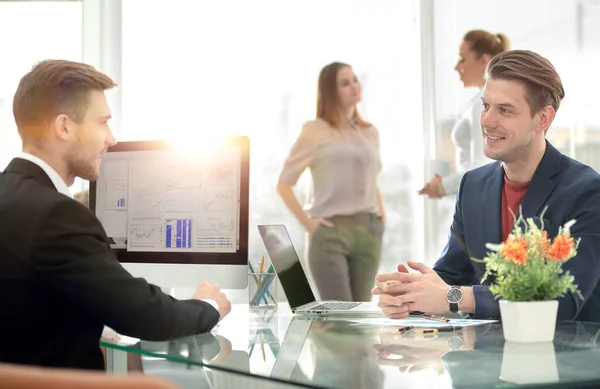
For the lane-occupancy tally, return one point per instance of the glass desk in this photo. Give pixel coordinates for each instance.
(275, 349)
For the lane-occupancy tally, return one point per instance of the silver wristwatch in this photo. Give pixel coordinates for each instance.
(454, 296)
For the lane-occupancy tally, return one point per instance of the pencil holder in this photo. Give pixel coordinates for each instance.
(262, 290)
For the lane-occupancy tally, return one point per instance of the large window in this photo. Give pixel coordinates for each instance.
(566, 32)
(32, 31)
(195, 69)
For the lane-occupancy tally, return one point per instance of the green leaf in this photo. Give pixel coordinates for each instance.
(539, 278)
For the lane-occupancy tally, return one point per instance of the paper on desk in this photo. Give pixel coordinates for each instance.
(128, 340)
(417, 322)
(111, 336)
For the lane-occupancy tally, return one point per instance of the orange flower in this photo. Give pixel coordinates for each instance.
(544, 245)
(515, 250)
(562, 248)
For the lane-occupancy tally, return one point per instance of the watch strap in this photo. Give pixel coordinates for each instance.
(453, 307)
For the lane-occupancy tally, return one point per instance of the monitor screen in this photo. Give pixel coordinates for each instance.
(160, 205)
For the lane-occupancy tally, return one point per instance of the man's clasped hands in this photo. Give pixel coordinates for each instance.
(402, 292)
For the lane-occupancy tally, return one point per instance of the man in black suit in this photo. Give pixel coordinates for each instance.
(59, 281)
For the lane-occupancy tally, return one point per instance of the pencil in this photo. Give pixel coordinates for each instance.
(262, 266)
(262, 346)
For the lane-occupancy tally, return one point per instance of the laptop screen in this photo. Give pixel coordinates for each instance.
(287, 264)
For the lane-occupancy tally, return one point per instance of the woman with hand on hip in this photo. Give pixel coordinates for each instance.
(346, 220)
(475, 51)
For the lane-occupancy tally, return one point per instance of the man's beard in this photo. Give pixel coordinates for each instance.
(78, 166)
(516, 151)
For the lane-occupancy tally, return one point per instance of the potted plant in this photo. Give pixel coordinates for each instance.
(528, 278)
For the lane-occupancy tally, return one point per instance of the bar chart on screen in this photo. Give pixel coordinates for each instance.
(178, 233)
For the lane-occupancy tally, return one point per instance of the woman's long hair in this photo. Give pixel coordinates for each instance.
(328, 102)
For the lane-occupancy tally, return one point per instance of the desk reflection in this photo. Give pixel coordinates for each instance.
(413, 352)
(335, 354)
(211, 350)
(346, 354)
(479, 356)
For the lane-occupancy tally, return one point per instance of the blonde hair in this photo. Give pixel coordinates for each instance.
(54, 87)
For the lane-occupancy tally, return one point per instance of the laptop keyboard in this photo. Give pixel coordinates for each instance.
(335, 306)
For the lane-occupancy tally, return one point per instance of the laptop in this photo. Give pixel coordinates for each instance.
(294, 282)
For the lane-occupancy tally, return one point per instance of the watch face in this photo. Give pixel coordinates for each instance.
(454, 343)
(454, 295)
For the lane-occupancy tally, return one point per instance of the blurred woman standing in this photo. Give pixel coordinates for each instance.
(346, 220)
(475, 51)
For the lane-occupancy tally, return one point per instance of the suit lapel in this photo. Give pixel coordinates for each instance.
(535, 198)
(493, 210)
(29, 169)
(542, 184)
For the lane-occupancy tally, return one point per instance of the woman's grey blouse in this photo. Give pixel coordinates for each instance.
(343, 163)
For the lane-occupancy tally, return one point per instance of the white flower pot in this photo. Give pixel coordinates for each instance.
(529, 321)
(529, 363)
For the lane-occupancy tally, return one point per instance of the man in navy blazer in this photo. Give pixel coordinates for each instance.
(520, 99)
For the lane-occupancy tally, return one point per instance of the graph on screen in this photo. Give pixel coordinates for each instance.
(116, 194)
(180, 204)
(177, 216)
(178, 233)
(217, 201)
(184, 177)
(222, 174)
(215, 232)
(145, 236)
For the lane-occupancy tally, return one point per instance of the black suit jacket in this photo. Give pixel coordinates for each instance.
(60, 283)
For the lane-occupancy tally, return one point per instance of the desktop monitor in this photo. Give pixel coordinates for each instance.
(177, 218)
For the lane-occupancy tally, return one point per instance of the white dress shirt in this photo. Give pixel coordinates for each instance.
(56, 179)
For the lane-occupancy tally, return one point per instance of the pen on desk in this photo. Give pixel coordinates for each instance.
(401, 330)
(436, 318)
(425, 331)
(260, 271)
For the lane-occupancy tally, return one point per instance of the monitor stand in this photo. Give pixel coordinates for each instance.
(168, 291)
(178, 293)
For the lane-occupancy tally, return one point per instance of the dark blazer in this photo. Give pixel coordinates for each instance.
(60, 283)
(570, 189)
